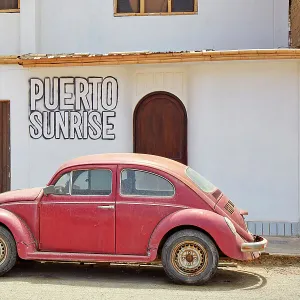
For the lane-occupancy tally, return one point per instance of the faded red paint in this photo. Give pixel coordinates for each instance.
(72, 228)
(78, 227)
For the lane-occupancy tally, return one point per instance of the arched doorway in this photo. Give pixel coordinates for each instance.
(160, 126)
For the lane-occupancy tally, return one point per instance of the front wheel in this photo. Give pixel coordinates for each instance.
(8, 251)
(190, 257)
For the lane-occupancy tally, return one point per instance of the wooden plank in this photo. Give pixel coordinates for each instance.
(8, 60)
(148, 58)
(13, 10)
(1, 147)
(154, 14)
(7, 149)
(115, 7)
(5, 146)
(196, 6)
(142, 8)
(169, 6)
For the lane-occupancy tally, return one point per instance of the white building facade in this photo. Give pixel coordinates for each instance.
(240, 113)
(53, 26)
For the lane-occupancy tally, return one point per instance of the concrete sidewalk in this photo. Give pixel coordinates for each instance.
(283, 245)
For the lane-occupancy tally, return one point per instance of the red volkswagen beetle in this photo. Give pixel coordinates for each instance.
(126, 208)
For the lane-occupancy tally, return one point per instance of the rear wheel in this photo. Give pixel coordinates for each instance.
(8, 251)
(190, 257)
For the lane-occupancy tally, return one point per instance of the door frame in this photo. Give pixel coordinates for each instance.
(7, 150)
(179, 102)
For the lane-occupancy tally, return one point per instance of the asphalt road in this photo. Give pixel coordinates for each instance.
(37, 281)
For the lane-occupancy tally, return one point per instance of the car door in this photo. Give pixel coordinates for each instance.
(80, 216)
(145, 196)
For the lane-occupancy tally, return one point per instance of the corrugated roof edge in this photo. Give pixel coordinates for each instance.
(147, 57)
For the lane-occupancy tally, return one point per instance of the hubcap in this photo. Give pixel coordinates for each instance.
(189, 258)
(3, 251)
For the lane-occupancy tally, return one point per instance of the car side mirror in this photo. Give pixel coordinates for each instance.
(48, 190)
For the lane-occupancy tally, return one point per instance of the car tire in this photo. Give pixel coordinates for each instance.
(190, 257)
(8, 251)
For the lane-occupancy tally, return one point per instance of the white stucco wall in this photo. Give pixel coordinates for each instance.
(220, 24)
(30, 26)
(243, 120)
(53, 26)
(35, 161)
(243, 127)
(9, 34)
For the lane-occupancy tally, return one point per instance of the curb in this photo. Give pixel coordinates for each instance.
(273, 260)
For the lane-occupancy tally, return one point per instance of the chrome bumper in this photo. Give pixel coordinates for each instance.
(258, 246)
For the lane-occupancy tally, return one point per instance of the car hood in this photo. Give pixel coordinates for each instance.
(20, 195)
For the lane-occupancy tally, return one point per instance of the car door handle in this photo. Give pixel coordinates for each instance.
(106, 207)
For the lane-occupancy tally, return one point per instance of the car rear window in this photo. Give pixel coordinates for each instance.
(142, 183)
(200, 181)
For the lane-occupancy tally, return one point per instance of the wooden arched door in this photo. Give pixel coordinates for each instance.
(160, 127)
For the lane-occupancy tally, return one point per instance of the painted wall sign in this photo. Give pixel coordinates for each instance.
(73, 107)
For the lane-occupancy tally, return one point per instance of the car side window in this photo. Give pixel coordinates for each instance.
(62, 186)
(142, 183)
(92, 182)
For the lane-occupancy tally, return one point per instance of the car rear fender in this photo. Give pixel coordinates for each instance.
(210, 222)
(19, 229)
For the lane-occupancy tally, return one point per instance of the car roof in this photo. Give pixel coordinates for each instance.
(158, 162)
(172, 167)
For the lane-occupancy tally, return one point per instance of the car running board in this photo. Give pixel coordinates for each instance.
(80, 257)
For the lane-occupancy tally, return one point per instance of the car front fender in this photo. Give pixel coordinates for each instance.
(23, 237)
(207, 221)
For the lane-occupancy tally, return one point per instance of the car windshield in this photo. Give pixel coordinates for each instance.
(200, 181)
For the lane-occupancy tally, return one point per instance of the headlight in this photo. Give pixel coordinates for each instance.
(230, 225)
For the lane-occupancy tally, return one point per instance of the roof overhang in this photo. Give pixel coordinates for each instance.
(9, 60)
(144, 57)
